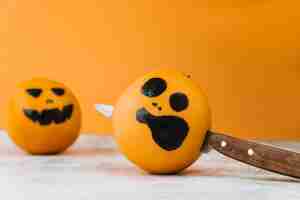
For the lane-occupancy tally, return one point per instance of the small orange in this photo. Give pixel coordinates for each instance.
(44, 117)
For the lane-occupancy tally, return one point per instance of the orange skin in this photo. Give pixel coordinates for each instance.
(33, 137)
(135, 140)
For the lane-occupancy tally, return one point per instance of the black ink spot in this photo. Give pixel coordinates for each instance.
(58, 91)
(35, 92)
(47, 116)
(159, 108)
(178, 101)
(168, 132)
(188, 76)
(154, 87)
(154, 104)
(48, 101)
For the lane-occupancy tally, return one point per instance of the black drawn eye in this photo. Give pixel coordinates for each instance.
(179, 101)
(35, 92)
(58, 91)
(154, 87)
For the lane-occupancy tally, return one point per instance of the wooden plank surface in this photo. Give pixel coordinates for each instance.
(93, 169)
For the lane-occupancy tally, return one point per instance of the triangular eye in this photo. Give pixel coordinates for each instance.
(58, 91)
(35, 92)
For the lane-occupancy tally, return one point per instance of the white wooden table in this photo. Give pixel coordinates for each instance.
(93, 169)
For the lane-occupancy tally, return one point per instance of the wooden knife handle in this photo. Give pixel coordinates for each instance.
(259, 155)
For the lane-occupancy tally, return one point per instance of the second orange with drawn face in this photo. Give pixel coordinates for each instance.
(44, 117)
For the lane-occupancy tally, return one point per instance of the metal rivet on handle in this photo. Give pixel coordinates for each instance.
(250, 152)
(223, 144)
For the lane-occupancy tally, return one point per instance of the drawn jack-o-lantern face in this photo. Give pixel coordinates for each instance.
(44, 117)
(161, 120)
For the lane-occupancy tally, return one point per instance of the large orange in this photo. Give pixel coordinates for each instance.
(161, 120)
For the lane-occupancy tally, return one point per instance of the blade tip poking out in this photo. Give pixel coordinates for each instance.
(105, 109)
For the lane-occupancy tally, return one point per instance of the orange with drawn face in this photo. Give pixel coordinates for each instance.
(161, 120)
(44, 117)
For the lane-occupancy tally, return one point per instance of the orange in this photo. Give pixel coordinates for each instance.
(161, 120)
(44, 117)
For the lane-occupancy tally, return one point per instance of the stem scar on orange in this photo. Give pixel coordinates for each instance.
(44, 117)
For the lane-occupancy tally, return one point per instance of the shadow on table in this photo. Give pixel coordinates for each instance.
(214, 172)
(88, 152)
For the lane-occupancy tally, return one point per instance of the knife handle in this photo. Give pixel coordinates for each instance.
(259, 155)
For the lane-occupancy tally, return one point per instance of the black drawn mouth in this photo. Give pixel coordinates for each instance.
(168, 132)
(48, 116)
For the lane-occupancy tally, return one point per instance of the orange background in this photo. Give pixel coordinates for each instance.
(244, 53)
